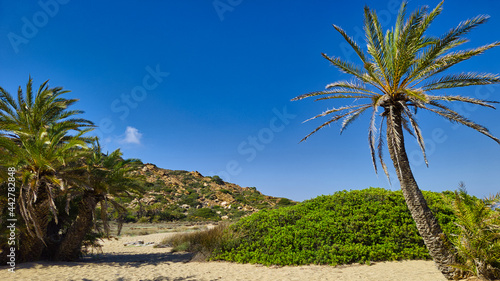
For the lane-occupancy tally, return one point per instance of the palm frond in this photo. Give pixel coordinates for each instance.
(333, 110)
(463, 99)
(376, 47)
(350, 118)
(351, 86)
(371, 137)
(454, 117)
(449, 40)
(446, 61)
(347, 67)
(416, 130)
(462, 80)
(333, 119)
(335, 93)
(352, 43)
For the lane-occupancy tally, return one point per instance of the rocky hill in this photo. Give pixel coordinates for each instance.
(182, 195)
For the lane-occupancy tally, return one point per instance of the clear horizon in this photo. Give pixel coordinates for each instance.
(207, 88)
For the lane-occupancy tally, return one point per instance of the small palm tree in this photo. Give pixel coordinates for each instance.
(397, 77)
(107, 177)
(478, 238)
(42, 138)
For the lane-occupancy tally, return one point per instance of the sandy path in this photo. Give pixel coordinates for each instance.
(147, 263)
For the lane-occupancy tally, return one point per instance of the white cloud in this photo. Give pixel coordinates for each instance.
(132, 135)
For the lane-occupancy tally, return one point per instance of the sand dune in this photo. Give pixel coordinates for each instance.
(119, 262)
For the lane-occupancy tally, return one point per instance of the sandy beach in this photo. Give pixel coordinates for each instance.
(119, 262)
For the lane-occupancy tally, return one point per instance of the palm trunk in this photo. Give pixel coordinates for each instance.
(31, 246)
(70, 247)
(28, 248)
(427, 224)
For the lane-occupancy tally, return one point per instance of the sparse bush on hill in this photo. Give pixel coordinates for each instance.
(217, 180)
(225, 191)
(203, 214)
(347, 227)
(171, 190)
(190, 200)
(285, 202)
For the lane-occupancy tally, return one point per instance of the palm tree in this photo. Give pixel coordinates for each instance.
(478, 239)
(41, 138)
(397, 76)
(108, 176)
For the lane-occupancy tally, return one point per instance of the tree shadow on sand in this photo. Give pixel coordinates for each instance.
(129, 260)
(137, 260)
(188, 278)
(133, 260)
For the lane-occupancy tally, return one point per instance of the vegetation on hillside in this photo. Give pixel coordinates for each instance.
(175, 195)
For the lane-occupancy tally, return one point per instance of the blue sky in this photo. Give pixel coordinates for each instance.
(206, 86)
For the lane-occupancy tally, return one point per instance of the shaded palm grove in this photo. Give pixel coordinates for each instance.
(61, 175)
(400, 71)
(66, 186)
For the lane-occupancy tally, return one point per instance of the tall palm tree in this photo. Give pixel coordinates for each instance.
(108, 176)
(46, 140)
(398, 76)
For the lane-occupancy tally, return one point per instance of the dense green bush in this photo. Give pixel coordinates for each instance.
(191, 200)
(347, 227)
(217, 180)
(284, 202)
(203, 213)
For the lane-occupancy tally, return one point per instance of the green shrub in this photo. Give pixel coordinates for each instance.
(347, 227)
(191, 200)
(285, 202)
(240, 198)
(262, 205)
(237, 214)
(129, 218)
(144, 220)
(217, 180)
(203, 213)
(177, 172)
(478, 238)
(196, 185)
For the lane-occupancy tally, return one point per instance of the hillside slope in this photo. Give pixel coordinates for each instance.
(182, 195)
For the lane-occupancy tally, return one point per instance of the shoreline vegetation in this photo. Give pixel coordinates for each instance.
(180, 250)
(62, 199)
(127, 263)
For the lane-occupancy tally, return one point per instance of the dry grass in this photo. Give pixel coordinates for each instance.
(135, 229)
(202, 243)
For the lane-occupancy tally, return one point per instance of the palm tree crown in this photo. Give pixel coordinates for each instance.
(397, 75)
(42, 137)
